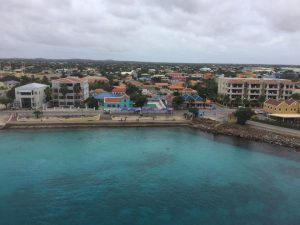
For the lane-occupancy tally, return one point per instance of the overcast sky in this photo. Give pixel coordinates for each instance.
(198, 31)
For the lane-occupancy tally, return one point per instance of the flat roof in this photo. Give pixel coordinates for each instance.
(295, 115)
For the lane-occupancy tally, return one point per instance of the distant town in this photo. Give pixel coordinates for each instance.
(177, 91)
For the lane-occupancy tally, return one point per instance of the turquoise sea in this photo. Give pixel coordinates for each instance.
(144, 176)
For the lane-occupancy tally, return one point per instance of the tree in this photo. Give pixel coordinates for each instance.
(64, 90)
(48, 93)
(296, 96)
(133, 91)
(92, 102)
(10, 94)
(261, 99)
(177, 101)
(208, 89)
(237, 101)
(246, 102)
(226, 100)
(140, 101)
(243, 114)
(77, 89)
(37, 113)
(5, 101)
(176, 93)
(45, 80)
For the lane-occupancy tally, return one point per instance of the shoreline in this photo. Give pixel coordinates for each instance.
(206, 125)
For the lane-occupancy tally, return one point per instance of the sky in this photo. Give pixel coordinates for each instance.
(192, 31)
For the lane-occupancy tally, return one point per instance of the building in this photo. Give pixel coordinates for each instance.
(273, 106)
(252, 88)
(119, 90)
(77, 91)
(11, 83)
(117, 102)
(95, 79)
(177, 77)
(287, 111)
(30, 96)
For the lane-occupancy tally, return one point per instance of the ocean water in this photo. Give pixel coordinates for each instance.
(144, 176)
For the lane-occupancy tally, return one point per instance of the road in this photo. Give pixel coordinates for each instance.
(219, 113)
(276, 129)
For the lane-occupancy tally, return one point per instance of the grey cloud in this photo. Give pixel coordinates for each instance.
(155, 30)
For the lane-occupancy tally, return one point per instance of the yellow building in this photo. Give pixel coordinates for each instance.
(273, 106)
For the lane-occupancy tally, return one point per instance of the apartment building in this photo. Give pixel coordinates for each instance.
(30, 96)
(252, 88)
(69, 92)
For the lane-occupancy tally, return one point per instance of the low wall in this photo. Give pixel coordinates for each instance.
(97, 124)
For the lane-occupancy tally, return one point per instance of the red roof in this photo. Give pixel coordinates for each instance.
(290, 101)
(176, 87)
(274, 102)
(68, 80)
(119, 89)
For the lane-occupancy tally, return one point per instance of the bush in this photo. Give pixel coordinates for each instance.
(243, 114)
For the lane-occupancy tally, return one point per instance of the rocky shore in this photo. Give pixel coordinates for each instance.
(246, 132)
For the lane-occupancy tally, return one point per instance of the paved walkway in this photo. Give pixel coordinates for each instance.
(276, 129)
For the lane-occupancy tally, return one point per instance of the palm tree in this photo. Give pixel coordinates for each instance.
(226, 100)
(64, 91)
(48, 94)
(237, 101)
(76, 90)
(37, 113)
(261, 100)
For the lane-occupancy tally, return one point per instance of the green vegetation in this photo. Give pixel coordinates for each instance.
(296, 96)
(243, 114)
(207, 89)
(48, 94)
(177, 101)
(37, 113)
(92, 102)
(101, 85)
(64, 90)
(140, 101)
(5, 101)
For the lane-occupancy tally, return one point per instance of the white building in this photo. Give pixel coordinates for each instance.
(252, 88)
(30, 95)
(73, 97)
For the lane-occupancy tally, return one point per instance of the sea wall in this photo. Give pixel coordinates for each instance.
(206, 125)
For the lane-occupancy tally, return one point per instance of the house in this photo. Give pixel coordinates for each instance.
(30, 95)
(161, 85)
(120, 102)
(119, 90)
(193, 100)
(176, 87)
(189, 91)
(11, 83)
(101, 96)
(94, 79)
(77, 91)
(177, 77)
(273, 106)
